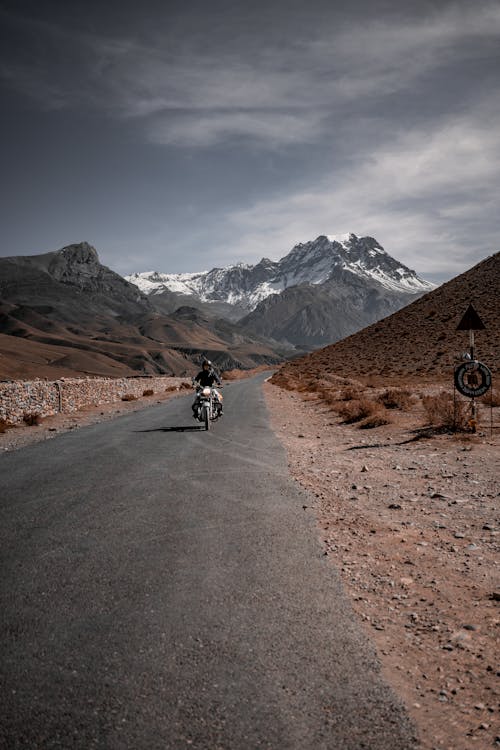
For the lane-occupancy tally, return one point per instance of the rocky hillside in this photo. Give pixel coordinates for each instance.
(309, 316)
(421, 339)
(70, 284)
(64, 313)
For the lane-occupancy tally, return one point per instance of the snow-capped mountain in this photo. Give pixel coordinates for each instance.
(316, 262)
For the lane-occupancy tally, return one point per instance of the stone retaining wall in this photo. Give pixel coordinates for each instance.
(45, 398)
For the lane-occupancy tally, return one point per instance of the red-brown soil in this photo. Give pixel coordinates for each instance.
(412, 523)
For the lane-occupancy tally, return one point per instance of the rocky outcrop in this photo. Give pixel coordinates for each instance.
(73, 283)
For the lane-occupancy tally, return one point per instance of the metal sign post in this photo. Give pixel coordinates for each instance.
(472, 378)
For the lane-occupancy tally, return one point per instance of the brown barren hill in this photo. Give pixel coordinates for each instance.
(420, 339)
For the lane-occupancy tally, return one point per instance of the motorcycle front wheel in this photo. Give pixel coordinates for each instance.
(205, 417)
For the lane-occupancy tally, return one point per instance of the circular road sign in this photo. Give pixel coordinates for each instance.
(472, 379)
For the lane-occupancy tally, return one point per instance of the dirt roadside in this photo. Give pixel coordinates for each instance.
(413, 528)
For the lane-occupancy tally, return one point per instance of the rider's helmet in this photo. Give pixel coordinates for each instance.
(206, 363)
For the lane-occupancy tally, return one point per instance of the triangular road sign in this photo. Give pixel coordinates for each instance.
(470, 321)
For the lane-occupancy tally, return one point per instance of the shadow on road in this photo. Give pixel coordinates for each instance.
(187, 428)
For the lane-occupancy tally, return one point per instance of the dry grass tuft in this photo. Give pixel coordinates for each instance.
(148, 392)
(316, 385)
(350, 394)
(129, 397)
(377, 419)
(4, 425)
(284, 380)
(444, 412)
(357, 409)
(330, 396)
(396, 398)
(32, 419)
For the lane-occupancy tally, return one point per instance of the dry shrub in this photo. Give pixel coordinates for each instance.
(4, 425)
(356, 410)
(329, 396)
(316, 386)
(377, 419)
(285, 381)
(129, 397)
(349, 394)
(302, 387)
(444, 412)
(185, 386)
(32, 419)
(148, 392)
(396, 398)
(171, 388)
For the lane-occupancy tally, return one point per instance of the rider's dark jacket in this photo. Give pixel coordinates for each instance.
(207, 377)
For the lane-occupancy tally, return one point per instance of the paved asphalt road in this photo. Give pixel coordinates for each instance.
(164, 588)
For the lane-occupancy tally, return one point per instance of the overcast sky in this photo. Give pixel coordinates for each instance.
(179, 136)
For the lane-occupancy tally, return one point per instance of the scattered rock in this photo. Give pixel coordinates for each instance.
(406, 581)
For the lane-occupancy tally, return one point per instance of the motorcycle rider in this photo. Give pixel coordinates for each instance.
(207, 377)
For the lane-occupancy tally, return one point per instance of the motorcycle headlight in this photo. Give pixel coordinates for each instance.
(206, 391)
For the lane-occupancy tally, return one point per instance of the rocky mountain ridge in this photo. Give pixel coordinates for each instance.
(73, 281)
(312, 263)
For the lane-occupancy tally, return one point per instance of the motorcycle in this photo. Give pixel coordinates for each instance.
(208, 405)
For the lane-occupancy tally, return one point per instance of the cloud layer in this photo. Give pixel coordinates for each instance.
(402, 107)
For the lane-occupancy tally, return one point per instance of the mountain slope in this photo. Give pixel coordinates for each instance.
(73, 282)
(309, 316)
(420, 339)
(64, 313)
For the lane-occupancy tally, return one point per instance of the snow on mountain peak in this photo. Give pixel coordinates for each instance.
(315, 262)
(342, 239)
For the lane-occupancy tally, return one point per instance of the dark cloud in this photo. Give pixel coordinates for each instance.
(225, 129)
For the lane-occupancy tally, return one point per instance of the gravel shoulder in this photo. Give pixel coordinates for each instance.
(413, 527)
